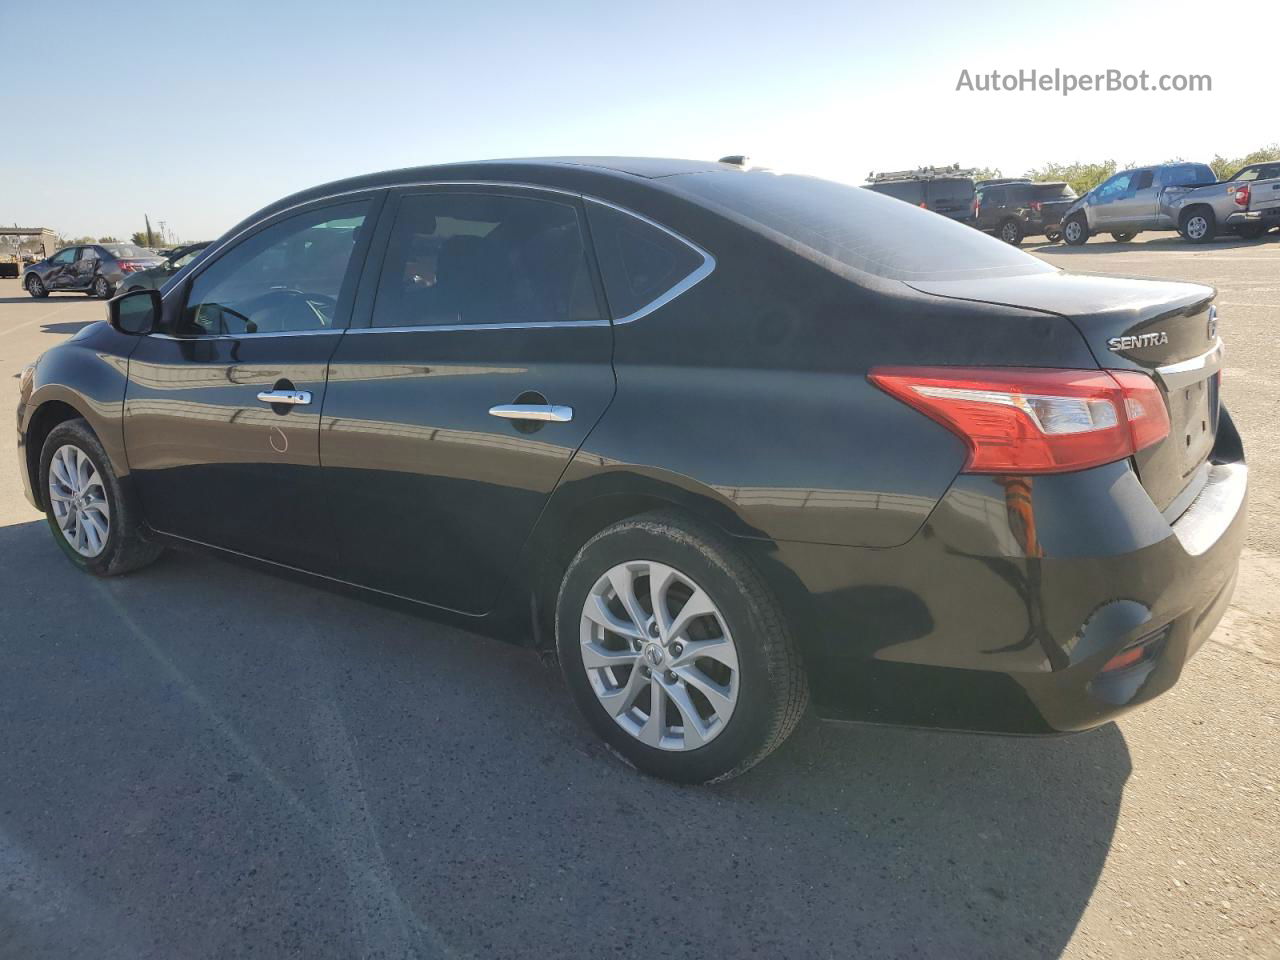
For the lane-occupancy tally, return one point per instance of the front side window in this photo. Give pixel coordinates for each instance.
(640, 263)
(1116, 187)
(63, 257)
(288, 277)
(468, 259)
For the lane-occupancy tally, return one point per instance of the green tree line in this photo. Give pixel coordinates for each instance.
(1083, 177)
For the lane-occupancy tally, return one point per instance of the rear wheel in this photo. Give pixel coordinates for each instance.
(90, 518)
(100, 288)
(36, 287)
(1011, 232)
(676, 651)
(1122, 236)
(1075, 231)
(1199, 225)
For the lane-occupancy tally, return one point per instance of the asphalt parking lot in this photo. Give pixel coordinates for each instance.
(203, 761)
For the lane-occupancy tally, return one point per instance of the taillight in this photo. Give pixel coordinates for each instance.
(128, 266)
(1242, 195)
(923, 205)
(1035, 205)
(1035, 420)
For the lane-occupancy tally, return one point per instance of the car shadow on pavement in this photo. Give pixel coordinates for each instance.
(51, 299)
(1104, 244)
(67, 328)
(203, 758)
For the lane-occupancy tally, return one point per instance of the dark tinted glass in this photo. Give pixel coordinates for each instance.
(460, 258)
(1053, 191)
(284, 278)
(911, 191)
(1144, 179)
(950, 191)
(638, 261)
(994, 197)
(859, 228)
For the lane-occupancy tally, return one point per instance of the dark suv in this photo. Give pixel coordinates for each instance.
(93, 268)
(1013, 209)
(946, 190)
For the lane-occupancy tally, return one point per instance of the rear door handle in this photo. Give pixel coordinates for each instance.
(532, 411)
(289, 397)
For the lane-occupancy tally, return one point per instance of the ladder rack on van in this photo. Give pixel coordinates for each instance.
(923, 173)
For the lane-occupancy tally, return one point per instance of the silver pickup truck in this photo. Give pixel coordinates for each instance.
(1186, 197)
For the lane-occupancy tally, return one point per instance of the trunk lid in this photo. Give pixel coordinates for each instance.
(1162, 328)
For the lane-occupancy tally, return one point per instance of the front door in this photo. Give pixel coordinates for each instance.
(222, 410)
(1135, 208)
(451, 416)
(62, 270)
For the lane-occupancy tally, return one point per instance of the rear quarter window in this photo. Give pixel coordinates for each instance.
(641, 263)
(851, 227)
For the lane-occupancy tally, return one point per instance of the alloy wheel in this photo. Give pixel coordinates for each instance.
(1009, 233)
(659, 655)
(100, 288)
(34, 286)
(79, 501)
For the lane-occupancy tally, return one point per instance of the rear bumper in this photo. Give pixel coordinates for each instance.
(1001, 613)
(1247, 218)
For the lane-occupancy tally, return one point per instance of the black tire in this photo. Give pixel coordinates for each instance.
(1198, 225)
(773, 690)
(1076, 231)
(100, 288)
(125, 549)
(1053, 236)
(1122, 236)
(1252, 231)
(1011, 232)
(35, 286)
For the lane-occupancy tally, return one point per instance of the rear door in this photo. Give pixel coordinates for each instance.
(467, 384)
(222, 410)
(86, 265)
(951, 198)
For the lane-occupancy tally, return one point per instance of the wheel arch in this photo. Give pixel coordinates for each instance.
(580, 509)
(1187, 211)
(44, 418)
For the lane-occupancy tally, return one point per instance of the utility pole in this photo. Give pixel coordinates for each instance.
(148, 220)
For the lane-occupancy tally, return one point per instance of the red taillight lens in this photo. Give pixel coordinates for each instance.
(923, 205)
(1033, 420)
(128, 266)
(1242, 196)
(1035, 205)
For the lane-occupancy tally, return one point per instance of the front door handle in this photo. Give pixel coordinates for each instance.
(289, 397)
(545, 412)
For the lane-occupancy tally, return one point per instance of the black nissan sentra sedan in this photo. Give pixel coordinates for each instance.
(730, 442)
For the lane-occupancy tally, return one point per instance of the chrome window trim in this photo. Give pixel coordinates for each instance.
(691, 280)
(334, 331)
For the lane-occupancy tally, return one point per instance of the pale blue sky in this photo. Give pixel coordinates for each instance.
(199, 114)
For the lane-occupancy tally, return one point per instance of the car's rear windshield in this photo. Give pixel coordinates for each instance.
(961, 190)
(858, 228)
(1053, 191)
(128, 250)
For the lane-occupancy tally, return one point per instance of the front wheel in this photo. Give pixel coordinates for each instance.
(36, 287)
(85, 505)
(676, 651)
(1075, 231)
(1122, 236)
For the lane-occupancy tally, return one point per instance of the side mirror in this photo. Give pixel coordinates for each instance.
(136, 313)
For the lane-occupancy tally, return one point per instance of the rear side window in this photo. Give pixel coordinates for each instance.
(467, 259)
(1188, 174)
(912, 191)
(1143, 180)
(855, 227)
(640, 263)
